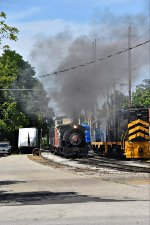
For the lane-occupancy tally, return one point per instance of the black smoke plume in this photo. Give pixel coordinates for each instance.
(78, 90)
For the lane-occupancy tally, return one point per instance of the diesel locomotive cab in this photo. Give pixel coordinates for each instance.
(127, 135)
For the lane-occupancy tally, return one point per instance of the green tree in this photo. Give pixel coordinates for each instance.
(8, 73)
(19, 108)
(115, 101)
(12, 120)
(6, 32)
(141, 96)
(8, 68)
(25, 103)
(33, 100)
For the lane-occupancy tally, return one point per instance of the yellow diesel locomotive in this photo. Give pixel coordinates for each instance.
(126, 135)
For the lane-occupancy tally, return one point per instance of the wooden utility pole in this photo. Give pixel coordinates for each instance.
(94, 59)
(129, 64)
(93, 122)
(114, 108)
(149, 38)
(108, 111)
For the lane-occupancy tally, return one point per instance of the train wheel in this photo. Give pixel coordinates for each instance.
(36, 152)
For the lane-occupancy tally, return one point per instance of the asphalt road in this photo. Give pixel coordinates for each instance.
(31, 193)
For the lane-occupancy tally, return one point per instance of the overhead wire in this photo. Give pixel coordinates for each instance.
(97, 60)
(19, 89)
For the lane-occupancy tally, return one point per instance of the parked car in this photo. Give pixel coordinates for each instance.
(5, 148)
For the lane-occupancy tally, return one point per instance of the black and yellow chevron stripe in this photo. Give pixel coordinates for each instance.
(138, 129)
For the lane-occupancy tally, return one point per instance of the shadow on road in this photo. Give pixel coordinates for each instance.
(9, 182)
(42, 198)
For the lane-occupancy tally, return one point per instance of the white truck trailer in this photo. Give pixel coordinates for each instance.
(28, 140)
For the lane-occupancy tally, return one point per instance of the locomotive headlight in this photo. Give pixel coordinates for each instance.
(75, 126)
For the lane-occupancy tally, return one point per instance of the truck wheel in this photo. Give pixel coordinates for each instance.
(36, 152)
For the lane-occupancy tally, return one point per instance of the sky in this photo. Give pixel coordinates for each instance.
(49, 17)
(68, 10)
(50, 31)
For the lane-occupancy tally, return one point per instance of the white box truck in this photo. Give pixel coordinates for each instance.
(28, 140)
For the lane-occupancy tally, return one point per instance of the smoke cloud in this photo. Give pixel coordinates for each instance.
(78, 89)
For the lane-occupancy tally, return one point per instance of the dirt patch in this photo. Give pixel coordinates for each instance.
(139, 182)
(55, 165)
(46, 162)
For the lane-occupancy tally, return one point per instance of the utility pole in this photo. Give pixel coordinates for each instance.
(96, 104)
(149, 39)
(94, 59)
(107, 126)
(114, 106)
(129, 63)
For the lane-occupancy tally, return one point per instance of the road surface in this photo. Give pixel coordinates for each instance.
(31, 193)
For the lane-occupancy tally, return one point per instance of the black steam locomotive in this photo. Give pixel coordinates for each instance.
(70, 140)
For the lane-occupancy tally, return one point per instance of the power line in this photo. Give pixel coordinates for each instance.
(23, 89)
(97, 60)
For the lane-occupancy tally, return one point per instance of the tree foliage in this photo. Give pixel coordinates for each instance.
(141, 97)
(33, 100)
(24, 102)
(12, 119)
(6, 32)
(116, 100)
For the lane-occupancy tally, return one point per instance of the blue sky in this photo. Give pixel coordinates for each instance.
(50, 17)
(35, 18)
(68, 10)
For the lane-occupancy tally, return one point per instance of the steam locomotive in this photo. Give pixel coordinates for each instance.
(126, 135)
(70, 140)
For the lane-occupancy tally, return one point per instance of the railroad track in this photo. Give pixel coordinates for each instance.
(114, 164)
(109, 163)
